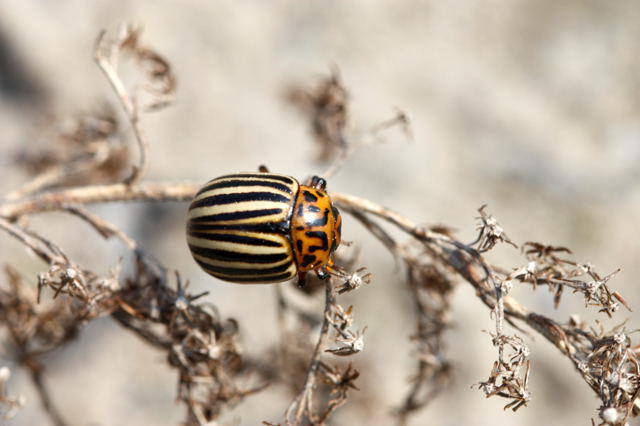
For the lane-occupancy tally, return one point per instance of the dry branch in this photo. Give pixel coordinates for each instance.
(161, 83)
(576, 341)
(55, 200)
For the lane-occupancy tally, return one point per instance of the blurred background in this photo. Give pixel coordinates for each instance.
(532, 107)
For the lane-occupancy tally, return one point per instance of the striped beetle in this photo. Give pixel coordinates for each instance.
(263, 228)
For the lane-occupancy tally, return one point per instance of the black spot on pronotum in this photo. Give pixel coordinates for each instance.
(319, 235)
(308, 259)
(308, 196)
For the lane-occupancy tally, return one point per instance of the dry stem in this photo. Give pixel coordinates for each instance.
(302, 405)
(92, 194)
(107, 56)
(161, 84)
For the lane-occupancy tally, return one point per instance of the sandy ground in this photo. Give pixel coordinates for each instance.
(528, 106)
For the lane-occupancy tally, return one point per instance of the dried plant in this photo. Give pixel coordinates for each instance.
(89, 163)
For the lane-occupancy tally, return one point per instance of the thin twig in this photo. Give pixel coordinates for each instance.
(303, 403)
(42, 248)
(347, 149)
(60, 172)
(104, 228)
(452, 252)
(106, 55)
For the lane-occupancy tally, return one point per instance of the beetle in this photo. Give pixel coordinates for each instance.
(263, 228)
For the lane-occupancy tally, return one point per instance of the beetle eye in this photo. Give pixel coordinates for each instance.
(337, 229)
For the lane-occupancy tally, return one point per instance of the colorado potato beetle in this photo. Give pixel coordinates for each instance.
(263, 228)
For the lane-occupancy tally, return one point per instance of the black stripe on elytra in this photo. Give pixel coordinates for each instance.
(239, 197)
(313, 208)
(308, 196)
(234, 256)
(260, 279)
(320, 235)
(265, 227)
(237, 215)
(321, 221)
(243, 271)
(238, 239)
(233, 183)
(284, 179)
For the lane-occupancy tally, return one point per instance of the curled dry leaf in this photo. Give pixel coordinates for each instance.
(326, 108)
(160, 84)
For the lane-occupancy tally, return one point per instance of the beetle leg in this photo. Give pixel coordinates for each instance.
(322, 274)
(302, 279)
(335, 270)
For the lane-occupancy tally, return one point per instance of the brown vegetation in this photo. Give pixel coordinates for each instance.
(91, 164)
